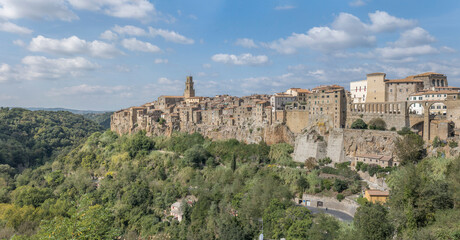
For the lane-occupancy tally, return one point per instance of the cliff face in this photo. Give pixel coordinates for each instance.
(249, 133)
(341, 144)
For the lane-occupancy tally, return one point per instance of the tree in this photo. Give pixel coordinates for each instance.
(233, 163)
(340, 185)
(86, 222)
(371, 221)
(359, 124)
(324, 227)
(302, 184)
(196, 156)
(139, 144)
(409, 148)
(377, 124)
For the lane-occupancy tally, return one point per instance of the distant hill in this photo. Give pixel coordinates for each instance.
(30, 138)
(75, 111)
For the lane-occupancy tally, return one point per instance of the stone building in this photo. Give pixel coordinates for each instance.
(279, 100)
(189, 90)
(358, 91)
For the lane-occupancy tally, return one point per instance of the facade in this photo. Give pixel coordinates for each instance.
(358, 91)
(437, 108)
(376, 196)
(376, 88)
(279, 101)
(382, 161)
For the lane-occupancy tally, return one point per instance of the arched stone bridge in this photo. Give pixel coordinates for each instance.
(397, 114)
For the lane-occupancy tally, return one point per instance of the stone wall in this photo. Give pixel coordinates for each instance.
(341, 144)
(296, 121)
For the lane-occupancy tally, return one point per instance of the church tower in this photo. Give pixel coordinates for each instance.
(189, 90)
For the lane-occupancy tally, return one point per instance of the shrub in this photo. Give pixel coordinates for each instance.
(436, 142)
(392, 129)
(377, 124)
(340, 185)
(340, 197)
(405, 131)
(453, 144)
(373, 169)
(359, 124)
(325, 161)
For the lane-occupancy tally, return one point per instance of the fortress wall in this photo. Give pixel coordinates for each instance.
(296, 121)
(392, 120)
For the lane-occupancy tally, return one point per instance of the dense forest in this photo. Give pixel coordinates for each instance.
(93, 184)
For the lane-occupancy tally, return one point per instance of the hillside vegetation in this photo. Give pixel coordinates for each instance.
(30, 138)
(111, 186)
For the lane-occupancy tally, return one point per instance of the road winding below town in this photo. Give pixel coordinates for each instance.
(337, 214)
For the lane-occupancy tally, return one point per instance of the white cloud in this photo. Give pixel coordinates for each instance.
(284, 7)
(243, 59)
(167, 81)
(129, 30)
(405, 52)
(384, 22)
(160, 60)
(13, 28)
(206, 65)
(85, 89)
(357, 3)
(170, 36)
(73, 46)
(135, 45)
(138, 9)
(42, 68)
(108, 35)
(36, 9)
(5, 72)
(19, 42)
(414, 37)
(246, 42)
(347, 31)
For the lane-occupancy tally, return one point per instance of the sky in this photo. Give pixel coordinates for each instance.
(113, 54)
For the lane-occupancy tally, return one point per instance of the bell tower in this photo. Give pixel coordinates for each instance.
(189, 90)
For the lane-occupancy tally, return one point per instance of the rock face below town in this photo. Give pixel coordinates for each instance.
(341, 144)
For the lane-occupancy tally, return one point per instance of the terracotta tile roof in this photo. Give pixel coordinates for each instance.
(427, 74)
(435, 92)
(374, 192)
(404, 80)
(172, 96)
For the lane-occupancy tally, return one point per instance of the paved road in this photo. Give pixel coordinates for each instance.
(337, 214)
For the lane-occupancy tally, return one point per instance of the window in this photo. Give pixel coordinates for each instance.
(391, 90)
(400, 90)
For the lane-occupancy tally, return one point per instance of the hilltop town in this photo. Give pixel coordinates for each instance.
(423, 102)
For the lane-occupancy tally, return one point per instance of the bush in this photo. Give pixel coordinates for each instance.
(138, 144)
(392, 129)
(377, 124)
(340, 185)
(340, 197)
(359, 124)
(373, 169)
(405, 131)
(325, 161)
(436, 142)
(453, 144)
(409, 148)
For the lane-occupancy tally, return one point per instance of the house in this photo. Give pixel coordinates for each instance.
(374, 196)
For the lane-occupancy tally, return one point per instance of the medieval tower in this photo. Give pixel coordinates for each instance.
(189, 90)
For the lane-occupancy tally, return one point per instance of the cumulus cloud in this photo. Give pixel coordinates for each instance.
(5, 72)
(13, 28)
(39, 67)
(135, 45)
(36, 9)
(384, 22)
(73, 46)
(138, 9)
(357, 3)
(160, 60)
(246, 42)
(167, 81)
(85, 89)
(170, 36)
(414, 37)
(129, 30)
(243, 59)
(347, 31)
(108, 35)
(405, 52)
(284, 7)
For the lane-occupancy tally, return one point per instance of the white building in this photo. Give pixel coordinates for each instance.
(358, 90)
(436, 108)
(279, 100)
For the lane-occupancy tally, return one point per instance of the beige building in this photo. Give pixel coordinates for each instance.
(376, 87)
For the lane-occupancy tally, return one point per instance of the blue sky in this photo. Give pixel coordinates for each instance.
(113, 54)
